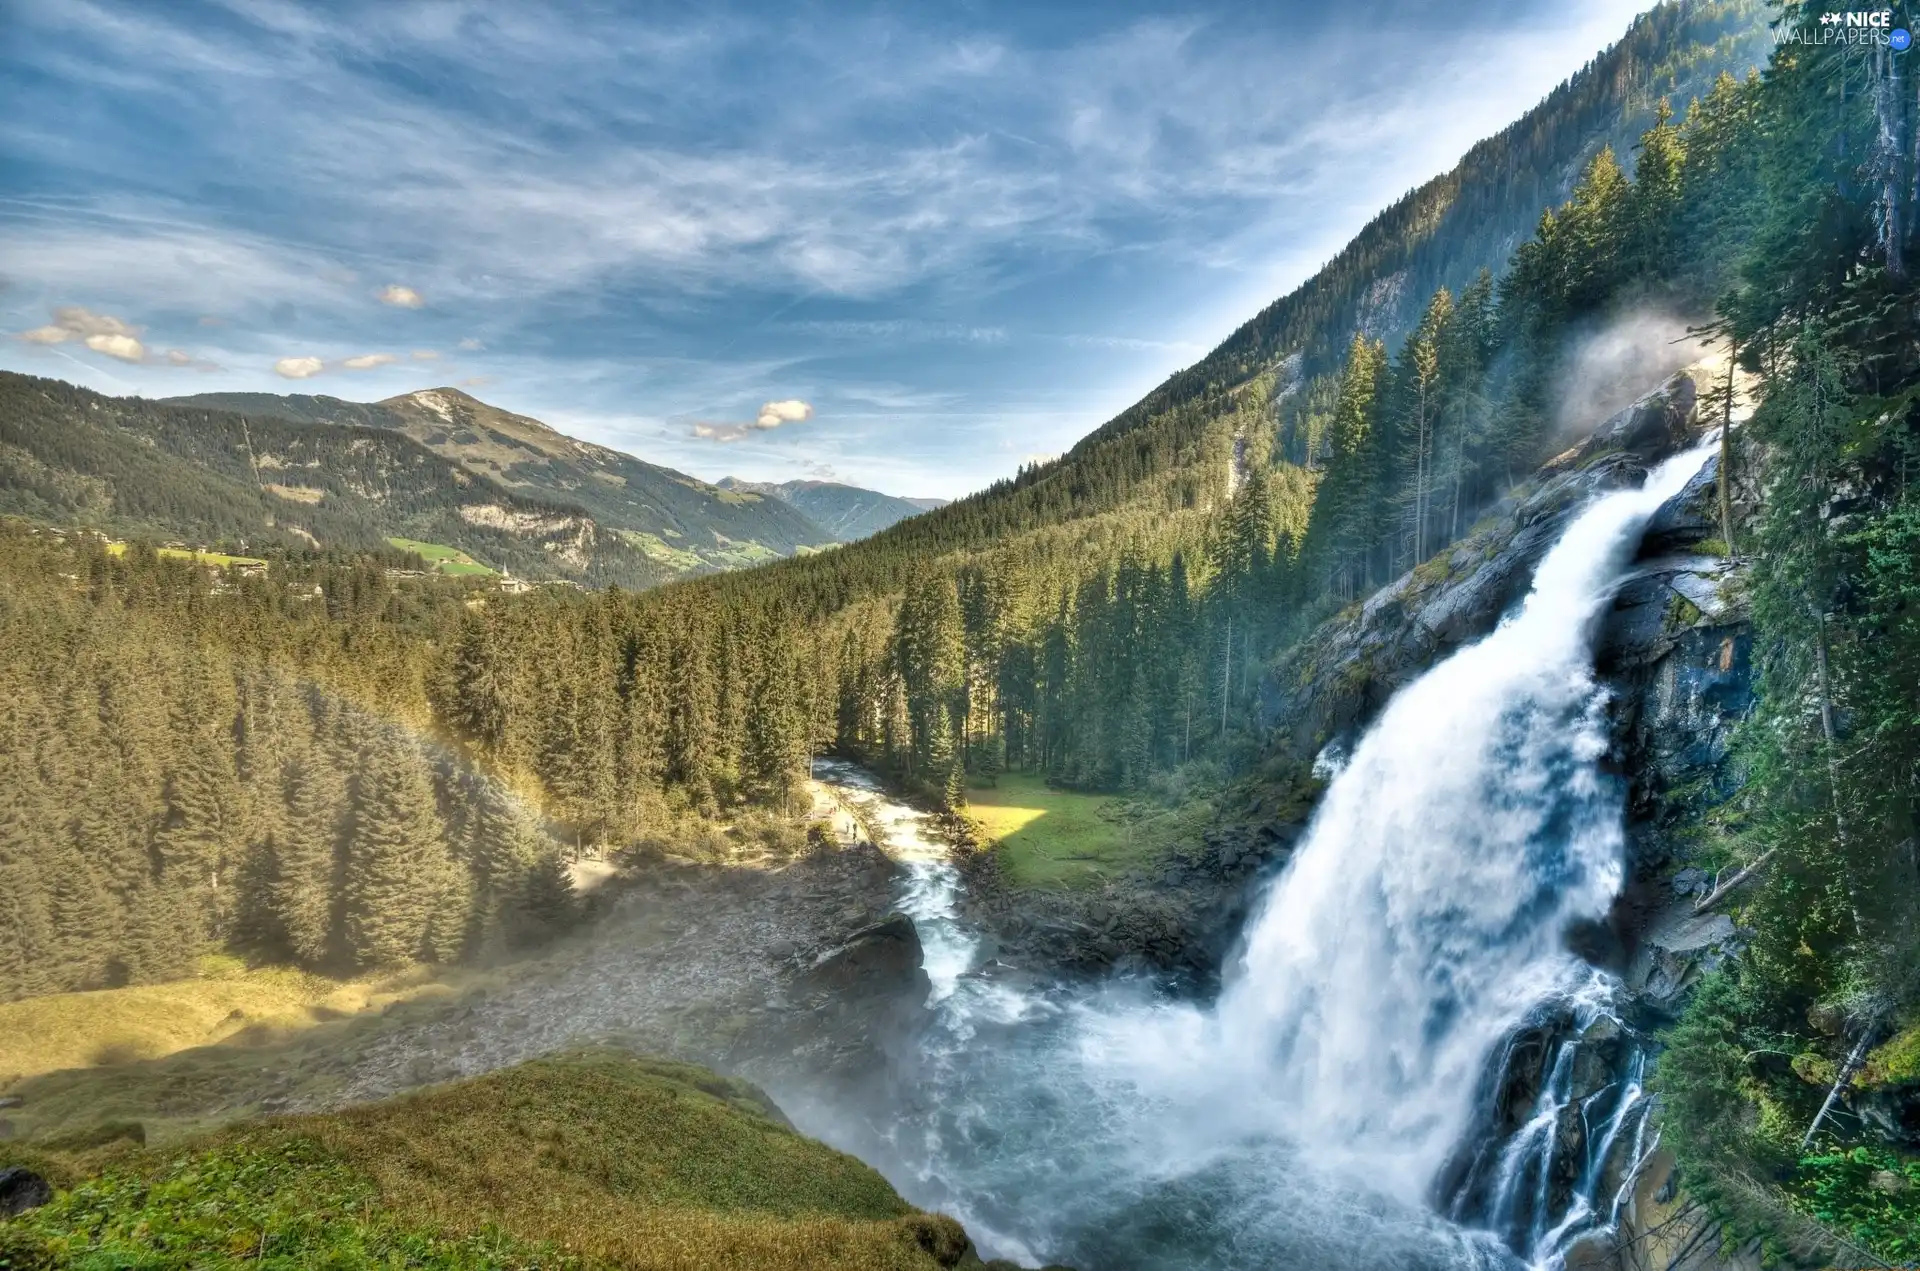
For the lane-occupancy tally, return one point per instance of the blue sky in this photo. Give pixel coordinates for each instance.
(940, 239)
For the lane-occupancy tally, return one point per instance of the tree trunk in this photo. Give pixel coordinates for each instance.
(1726, 452)
(1888, 158)
(1840, 1083)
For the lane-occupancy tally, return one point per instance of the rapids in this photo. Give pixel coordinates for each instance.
(1301, 1119)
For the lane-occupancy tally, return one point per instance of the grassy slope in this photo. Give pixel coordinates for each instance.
(591, 1159)
(42, 1035)
(1047, 837)
(448, 560)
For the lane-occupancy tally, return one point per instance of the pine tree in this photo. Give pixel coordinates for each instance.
(305, 844)
(394, 858)
(196, 839)
(1655, 203)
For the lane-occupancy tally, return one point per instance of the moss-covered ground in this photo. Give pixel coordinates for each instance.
(595, 1158)
(1049, 837)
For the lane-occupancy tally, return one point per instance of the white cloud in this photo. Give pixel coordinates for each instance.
(124, 347)
(425, 355)
(103, 333)
(298, 368)
(772, 415)
(470, 345)
(367, 361)
(401, 297)
(790, 411)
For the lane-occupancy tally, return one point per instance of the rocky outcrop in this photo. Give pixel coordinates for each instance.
(866, 994)
(1329, 686)
(799, 965)
(20, 1190)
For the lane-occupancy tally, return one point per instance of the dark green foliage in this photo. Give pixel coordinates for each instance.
(191, 759)
(397, 870)
(1817, 302)
(1869, 1193)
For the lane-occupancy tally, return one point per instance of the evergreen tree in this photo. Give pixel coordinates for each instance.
(394, 865)
(304, 845)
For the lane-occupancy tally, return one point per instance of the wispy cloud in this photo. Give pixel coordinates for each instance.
(640, 217)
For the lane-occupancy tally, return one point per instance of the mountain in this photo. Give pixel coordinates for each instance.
(682, 524)
(847, 512)
(125, 465)
(1168, 450)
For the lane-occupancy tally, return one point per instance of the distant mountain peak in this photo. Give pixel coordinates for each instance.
(679, 523)
(848, 512)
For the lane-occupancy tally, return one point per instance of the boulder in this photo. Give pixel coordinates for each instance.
(1675, 949)
(20, 1190)
(1891, 1112)
(1652, 428)
(882, 960)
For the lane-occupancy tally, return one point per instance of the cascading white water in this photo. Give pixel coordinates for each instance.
(1303, 1118)
(1426, 912)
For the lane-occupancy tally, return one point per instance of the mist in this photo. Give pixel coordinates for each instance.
(1608, 368)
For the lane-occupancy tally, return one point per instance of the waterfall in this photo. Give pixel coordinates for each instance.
(1306, 1116)
(1425, 913)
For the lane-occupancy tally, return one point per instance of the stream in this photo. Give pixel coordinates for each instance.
(1305, 1117)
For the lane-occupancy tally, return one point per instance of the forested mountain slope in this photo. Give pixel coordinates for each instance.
(681, 523)
(71, 457)
(1172, 451)
(190, 760)
(847, 512)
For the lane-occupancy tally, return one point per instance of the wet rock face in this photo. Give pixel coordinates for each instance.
(869, 990)
(1893, 1112)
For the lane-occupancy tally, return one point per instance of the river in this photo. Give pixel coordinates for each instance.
(1303, 1117)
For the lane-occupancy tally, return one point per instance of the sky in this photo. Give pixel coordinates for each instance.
(908, 246)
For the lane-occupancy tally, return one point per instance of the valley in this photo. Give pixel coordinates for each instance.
(1434, 784)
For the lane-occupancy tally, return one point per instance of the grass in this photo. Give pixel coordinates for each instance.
(1057, 838)
(177, 1059)
(107, 1026)
(219, 559)
(447, 560)
(591, 1159)
(659, 550)
(736, 554)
